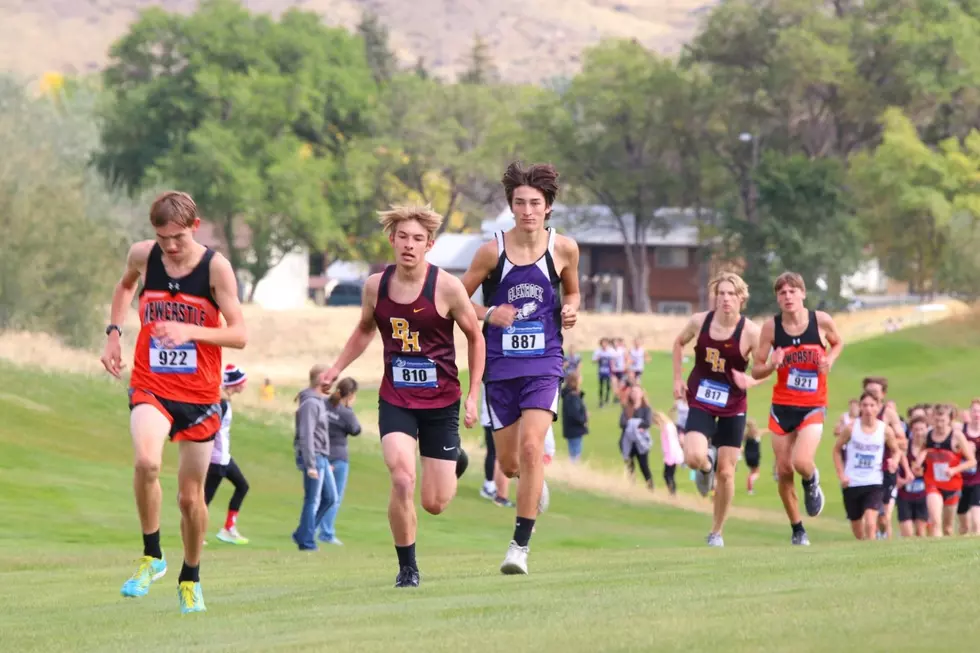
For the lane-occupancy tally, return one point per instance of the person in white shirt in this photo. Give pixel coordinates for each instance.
(862, 475)
(223, 466)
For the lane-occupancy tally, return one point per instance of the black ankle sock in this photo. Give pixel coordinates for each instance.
(406, 556)
(798, 528)
(151, 545)
(190, 573)
(522, 531)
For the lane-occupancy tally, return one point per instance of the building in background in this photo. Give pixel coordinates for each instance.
(676, 277)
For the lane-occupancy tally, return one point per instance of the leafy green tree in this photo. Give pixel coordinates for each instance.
(64, 233)
(377, 47)
(253, 117)
(620, 131)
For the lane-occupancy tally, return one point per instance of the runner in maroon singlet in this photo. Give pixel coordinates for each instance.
(969, 508)
(715, 392)
(415, 307)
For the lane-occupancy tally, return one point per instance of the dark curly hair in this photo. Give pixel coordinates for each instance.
(540, 176)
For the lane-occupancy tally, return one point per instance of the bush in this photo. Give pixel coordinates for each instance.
(64, 234)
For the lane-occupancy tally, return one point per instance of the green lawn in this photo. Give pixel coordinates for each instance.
(605, 575)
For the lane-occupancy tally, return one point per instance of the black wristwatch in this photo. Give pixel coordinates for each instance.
(113, 327)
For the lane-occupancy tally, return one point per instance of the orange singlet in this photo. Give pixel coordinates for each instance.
(940, 457)
(799, 396)
(184, 383)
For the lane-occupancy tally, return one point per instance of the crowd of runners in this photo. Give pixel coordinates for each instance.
(189, 312)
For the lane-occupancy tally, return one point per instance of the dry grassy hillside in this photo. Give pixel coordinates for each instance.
(530, 40)
(284, 344)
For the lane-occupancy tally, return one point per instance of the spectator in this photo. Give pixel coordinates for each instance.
(342, 423)
(635, 442)
(312, 448)
(574, 416)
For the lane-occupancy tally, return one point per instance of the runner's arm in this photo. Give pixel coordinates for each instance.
(224, 286)
(683, 338)
(752, 333)
(839, 443)
(568, 250)
(484, 261)
(967, 453)
(122, 295)
(841, 425)
(461, 309)
(826, 322)
(762, 368)
(364, 331)
(891, 443)
(905, 474)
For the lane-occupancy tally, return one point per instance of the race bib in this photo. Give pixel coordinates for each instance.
(915, 487)
(413, 373)
(940, 471)
(179, 360)
(865, 461)
(802, 380)
(523, 339)
(712, 393)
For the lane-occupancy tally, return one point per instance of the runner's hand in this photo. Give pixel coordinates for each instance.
(844, 480)
(171, 334)
(112, 356)
(569, 316)
(740, 379)
(503, 315)
(470, 418)
(825, 365)
(680, 389)
(778, 356)
(891, 465)
(327, 378)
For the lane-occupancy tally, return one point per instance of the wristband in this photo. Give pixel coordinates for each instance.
(486, 316)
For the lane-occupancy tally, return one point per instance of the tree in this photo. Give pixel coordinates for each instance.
(252, 117)
(480, 67)
(64, 233)
(453, 141)
(619, 131)
(377, 48)
(909, 195)
(805, 225)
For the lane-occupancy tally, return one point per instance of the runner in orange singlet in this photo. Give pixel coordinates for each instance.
(175, 388)
(946, 455)
(798, 339)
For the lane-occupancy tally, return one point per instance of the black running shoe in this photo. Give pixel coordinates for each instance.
(407, 577)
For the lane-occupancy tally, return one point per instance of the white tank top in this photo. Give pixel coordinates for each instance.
(637, 357)
(221, 451)
(865, 454)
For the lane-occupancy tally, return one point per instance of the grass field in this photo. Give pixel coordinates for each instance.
(606, 574)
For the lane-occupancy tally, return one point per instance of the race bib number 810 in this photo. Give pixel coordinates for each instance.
(413, 373)
(179, 360)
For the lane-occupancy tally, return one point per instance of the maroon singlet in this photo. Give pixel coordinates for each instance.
(710, 386)
(419, 348)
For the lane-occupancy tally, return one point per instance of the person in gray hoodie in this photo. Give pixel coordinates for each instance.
(311, 445)
(343, 423)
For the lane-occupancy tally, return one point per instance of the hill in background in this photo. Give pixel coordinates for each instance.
(530, 41)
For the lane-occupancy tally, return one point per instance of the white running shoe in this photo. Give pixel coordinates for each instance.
(231, 536)
(515, 562)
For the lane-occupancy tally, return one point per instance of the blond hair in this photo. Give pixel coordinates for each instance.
(741, 288)
(424, 215)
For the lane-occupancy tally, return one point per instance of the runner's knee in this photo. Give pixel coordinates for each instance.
(147, 468)
(403, 483)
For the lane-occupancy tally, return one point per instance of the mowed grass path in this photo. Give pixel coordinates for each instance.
(605, 575)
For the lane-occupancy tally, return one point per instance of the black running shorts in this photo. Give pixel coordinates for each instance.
(912, 510)
(969, 499)
(436, 429)
(720, 431)
(858, 500)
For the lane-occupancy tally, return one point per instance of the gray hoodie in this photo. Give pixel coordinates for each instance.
(312, 435)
